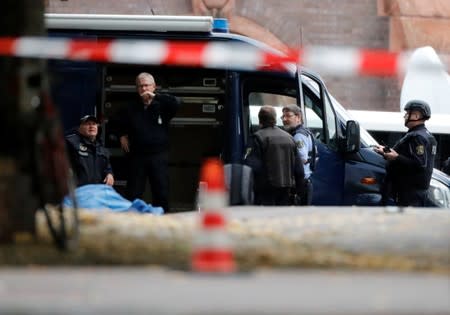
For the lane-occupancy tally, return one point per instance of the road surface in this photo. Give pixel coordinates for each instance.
(154, 290)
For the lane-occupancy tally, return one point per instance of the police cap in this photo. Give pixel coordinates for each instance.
(420, 106)
(87, 118)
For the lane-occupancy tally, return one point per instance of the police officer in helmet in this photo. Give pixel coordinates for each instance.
(410, 162)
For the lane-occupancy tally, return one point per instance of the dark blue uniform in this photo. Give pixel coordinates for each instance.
(148, 136)
(408, 176)
(90, 160)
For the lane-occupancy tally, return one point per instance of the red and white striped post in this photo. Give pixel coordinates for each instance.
(212, 248)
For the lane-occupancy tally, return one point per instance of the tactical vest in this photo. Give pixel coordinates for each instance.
(312, 153)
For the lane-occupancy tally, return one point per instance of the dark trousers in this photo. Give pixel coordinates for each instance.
(155, 168)
(403, 196)
(273, 196)
(414, 198)
(306, 194)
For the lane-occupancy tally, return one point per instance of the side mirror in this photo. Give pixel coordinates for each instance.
(352, 137)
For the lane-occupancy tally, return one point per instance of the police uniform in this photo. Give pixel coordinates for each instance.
(147, 129)
(307, 150)
(408, 176)
(89, 159)
(276, 165)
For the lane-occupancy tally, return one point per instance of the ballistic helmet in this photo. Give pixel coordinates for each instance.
(420, 106)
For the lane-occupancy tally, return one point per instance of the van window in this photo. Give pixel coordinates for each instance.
(266, 89)
(278, 94)
(313, 117)
(316, 105)
(331, 123)
(258, 99)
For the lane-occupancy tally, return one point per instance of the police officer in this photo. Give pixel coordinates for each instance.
(274, 160)
(88, 156)
(410, 162)
(293, 123)
(145, 136)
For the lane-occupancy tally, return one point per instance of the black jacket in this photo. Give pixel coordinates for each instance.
(274, 159)
(413, 167)
(90, 160)
(148, 129)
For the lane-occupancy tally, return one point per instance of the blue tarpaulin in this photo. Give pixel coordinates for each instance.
(99, 196)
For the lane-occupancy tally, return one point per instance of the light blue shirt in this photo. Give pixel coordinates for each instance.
(304, 145)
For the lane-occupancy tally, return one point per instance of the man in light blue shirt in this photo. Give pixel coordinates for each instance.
(293, 123)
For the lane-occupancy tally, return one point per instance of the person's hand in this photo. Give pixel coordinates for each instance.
(124, 143)
(147, 96)
(379, 149)
(391, 155)
(109, 180)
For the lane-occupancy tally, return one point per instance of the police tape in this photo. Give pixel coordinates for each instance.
(339, 61)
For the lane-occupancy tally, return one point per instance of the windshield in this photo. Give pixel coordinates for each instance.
(366, 139)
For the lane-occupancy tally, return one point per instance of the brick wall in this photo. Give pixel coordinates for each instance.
(294, 22)
(417, 23)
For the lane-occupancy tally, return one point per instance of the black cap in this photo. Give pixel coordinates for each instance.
(88, 118)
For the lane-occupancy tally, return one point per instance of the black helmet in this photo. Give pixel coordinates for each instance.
(421, 106)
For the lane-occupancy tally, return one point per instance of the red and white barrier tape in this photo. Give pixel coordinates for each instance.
(234, 55)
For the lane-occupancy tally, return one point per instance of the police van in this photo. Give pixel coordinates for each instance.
(215, 117)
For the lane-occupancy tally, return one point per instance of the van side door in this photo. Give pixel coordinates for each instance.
(320, 117)
(348, 171)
